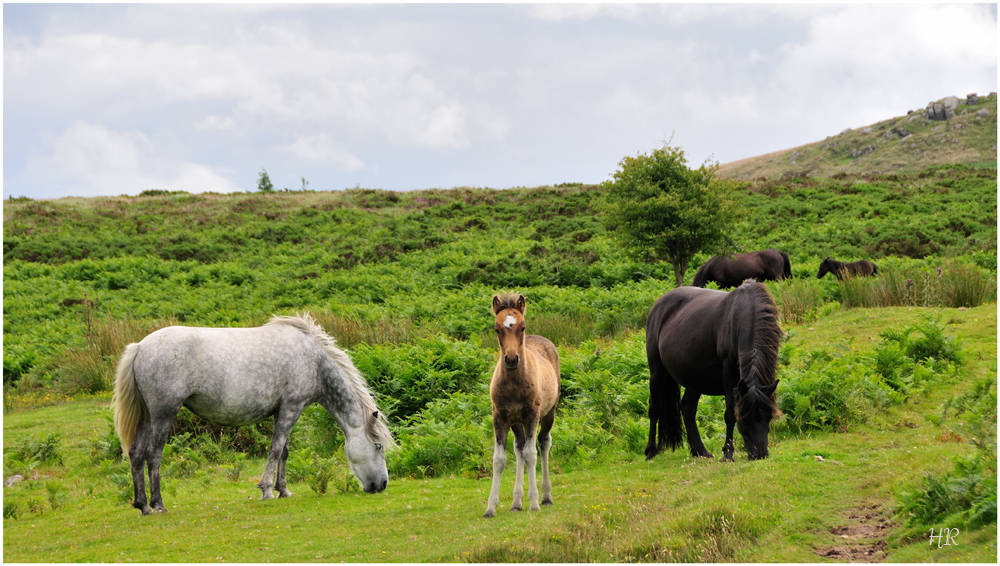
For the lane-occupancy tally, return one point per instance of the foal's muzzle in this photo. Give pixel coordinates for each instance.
(511, 361)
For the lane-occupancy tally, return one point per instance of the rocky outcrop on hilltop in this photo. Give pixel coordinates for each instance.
(950, 130)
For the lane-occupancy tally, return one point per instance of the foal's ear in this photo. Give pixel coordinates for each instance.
(520, 304)
(496, 304)
(770, 389)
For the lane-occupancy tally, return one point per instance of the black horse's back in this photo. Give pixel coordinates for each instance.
(763, 265)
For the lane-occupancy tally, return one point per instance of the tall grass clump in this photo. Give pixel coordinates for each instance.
(953, 284)
(801, 300)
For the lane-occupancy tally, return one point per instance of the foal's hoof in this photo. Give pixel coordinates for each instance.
(159, 508)
(728, 459)
(489, 514)
(266, 495)
(546, 501)
(515, 508)
(146, 510)
(284, 493)
(534, 507)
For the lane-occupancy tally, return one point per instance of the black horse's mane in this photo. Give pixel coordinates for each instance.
(759, 365)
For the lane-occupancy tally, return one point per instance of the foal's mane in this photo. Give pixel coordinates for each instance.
(507, 300)
(759, 365)
(377, 429)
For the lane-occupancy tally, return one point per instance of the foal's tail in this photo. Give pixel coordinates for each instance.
(127, 402)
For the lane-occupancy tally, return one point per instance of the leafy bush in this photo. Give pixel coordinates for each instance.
(44, 451)
(833, 390)
(967, 494)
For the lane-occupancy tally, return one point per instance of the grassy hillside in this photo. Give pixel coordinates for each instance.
(404, 282)
(823, 495)
(904, 144)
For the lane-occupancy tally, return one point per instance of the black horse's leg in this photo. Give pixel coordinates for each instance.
(689, 408)
(727, 448)
(160, 429)
(138, 455)
(279, 484)
(283, 423)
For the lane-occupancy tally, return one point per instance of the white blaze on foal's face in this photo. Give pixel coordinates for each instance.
(509, 322)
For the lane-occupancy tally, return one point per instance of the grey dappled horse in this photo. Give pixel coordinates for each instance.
(240, 376)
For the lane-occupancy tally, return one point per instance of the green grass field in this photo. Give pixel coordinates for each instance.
(821, 496)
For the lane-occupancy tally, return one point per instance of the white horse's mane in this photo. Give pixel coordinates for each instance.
(377, 429)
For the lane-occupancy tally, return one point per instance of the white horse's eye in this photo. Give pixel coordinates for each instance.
(378, 446)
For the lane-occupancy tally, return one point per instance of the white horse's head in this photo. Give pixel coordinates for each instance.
(366, 458)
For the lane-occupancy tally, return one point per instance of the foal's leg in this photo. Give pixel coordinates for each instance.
(279, 483)
(283, 423)
(519, 439)
(689, 408)
(545, 442)
(160, 430)
(530, 458)
(499, 461)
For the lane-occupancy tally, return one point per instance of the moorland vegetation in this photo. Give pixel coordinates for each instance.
(403, 281)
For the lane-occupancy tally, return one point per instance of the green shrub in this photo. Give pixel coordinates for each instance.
(966, 495)
(44, 451)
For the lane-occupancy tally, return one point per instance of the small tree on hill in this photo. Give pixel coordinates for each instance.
(264, 182)
(662, 210)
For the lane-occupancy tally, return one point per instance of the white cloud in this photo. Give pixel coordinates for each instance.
(89, 159)
(320, 147)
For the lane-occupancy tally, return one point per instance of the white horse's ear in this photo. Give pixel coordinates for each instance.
(496, 304)
(374, 416)
(520, 304)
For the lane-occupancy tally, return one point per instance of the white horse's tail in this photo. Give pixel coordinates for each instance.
(127, 402)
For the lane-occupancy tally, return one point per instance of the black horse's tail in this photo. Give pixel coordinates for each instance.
(701, 277)
(786, 266)
(664, 408)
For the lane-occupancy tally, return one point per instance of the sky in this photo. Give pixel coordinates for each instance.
(111, 99)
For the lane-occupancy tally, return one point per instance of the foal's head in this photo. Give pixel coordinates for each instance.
(509, 325)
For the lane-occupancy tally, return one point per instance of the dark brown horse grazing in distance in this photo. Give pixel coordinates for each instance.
(861, 268)
(712, 343)
(763, 265)
(524, 391)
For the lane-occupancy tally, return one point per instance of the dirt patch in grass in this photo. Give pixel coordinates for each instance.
(863, 540)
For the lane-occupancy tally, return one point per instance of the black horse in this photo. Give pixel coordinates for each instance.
(712, 343)
(764, 265)
(861, 268)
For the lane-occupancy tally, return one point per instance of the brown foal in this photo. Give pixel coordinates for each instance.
(524, 391)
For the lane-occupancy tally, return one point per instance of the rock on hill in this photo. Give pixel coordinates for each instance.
(951, 130)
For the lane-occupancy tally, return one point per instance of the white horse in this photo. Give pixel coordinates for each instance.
(240, 376)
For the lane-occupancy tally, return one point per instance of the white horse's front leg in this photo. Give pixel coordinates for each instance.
(499, 461)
